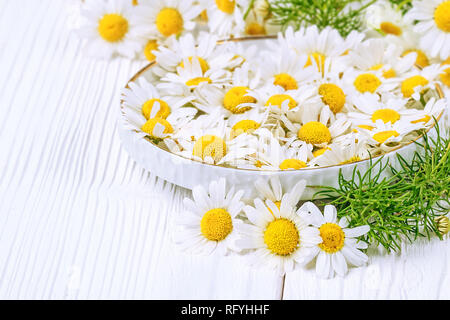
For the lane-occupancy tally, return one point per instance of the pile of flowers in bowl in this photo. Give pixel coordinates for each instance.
(309, 98)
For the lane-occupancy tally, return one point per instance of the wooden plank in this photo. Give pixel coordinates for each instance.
(78, 218)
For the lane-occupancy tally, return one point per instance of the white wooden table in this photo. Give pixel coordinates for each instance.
(80, 220)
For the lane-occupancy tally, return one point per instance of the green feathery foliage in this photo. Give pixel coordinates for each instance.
(343, 15)
(403, 205)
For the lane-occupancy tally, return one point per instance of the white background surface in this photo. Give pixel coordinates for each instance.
(80, 220)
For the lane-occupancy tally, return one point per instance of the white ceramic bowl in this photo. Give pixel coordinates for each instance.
(188, 173)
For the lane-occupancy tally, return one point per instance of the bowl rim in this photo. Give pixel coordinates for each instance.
(253, 38)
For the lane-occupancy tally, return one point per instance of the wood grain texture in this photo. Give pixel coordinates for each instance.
(80, 220)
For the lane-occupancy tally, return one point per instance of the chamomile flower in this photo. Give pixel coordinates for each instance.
(277, 100)
(433, 110)
(277, 157)
(333, 93)
(415, 83)
(284, 70)
(342, 153)
(433, 18)
(144, 99)
(317, 133)
(110, 28)
(318, 45)
(408, 44)
(191, 75)
(235, 99)
(278, 237)
(339, 244)
(377, 55)
(204, 48)
(167, 18)
(371, 107)
(383, 18)
(248, 123)
(226, 17)
(387, 136)
(373, 81)
(210, 223)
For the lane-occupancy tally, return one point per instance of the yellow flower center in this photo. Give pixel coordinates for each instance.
(387, 115)
(163, 112)
(367, 82)
(445, 76)
(442, 16)
(424, 119)
(333, 238)
(150, 125)
(285, 81)
(320, 152)
(386, 74)
(150, 46)
(255, 29)
(216, 225)
(351, 160)
(226, 6)
(204, 16)
(235, 97)
(390, 28)
(113, 27)
(421, 60)
(278, 99)
(210, 146)
(244, 126)
(319, 58)
(314, 133)
(197, 81)
(169, 22)
(333, 96)
(292, 164)
(382, 136)
(410, 84)
(203, 64)
(282, 237)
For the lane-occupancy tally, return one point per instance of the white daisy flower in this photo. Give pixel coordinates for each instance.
(333, 93)
(278, 238)
(273, 156)
(191, 75)
(415, 83)
(144, 99)
(378, 54)
(387, 136)
(203, 48)
(372, 107)
(434, 25)
(279, 101)
(339, 244)
(110, 28)
(233, 100)
(433, 110)
(373, 81)
(151, 114)
(317, 133)
(342, 153)
(226, 17)
(210, 223)
(167, 18)
(409, 44)
(283, 69)
(318, 45)
(383, 18)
